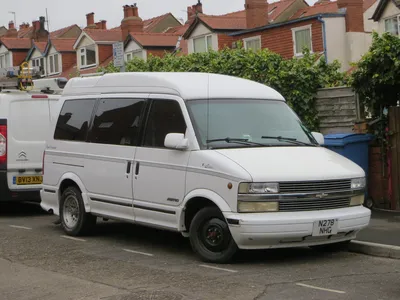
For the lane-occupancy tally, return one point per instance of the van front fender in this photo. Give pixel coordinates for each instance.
(201, 193)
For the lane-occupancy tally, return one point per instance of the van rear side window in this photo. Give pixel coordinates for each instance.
(117, 122)
(74, 120)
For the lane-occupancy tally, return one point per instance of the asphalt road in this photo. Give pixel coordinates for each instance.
(124, 261)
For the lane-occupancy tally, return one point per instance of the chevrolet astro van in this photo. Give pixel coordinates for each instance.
(222, 160)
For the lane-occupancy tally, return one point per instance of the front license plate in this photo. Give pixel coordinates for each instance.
(27, 180)
(325, 227)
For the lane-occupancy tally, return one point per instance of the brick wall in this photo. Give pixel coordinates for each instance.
(105, 51)
(280, 39)
(68, 60)
(18, 57)
(225, 41)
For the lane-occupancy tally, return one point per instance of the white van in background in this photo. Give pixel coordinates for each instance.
(25, 120)
(223, 160)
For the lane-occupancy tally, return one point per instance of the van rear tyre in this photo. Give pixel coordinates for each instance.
(210, 237)
(74, 220)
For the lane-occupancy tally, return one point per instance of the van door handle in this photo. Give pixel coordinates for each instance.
(137, 168)
(128, 167)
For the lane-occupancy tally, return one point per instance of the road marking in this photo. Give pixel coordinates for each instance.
(138, 252)
(320, 288)
(73, 238)
(20, 227)
(216, 268)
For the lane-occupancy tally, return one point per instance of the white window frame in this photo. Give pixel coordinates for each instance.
(84, 54)
(132, 54)
(251, 39)
(37, 62)
(205, 37)
(398, 23)
(52, 57)
(294, 30)
(4, 57)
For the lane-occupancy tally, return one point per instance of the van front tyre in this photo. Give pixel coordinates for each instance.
(74, 220)
(210, 236)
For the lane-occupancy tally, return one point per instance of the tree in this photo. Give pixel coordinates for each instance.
(377, 75)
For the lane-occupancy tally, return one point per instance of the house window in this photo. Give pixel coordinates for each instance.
(131, 55)
(392, 25)
(253, 43)
(88, 56)
(302, 39)
(54, 64)
(39, 62)
(202, 44)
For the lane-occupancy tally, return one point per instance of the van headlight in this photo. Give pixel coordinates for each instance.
(257, 207)
(259, 188)
(358, 183)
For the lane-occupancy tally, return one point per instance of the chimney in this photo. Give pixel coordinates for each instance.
(193, 10)
(101, 25)
(24, 26)
(40, 34)
(131, 22)
(11, 32)
(257, 13)
(90, 20)
(36, 25)
(354, 14)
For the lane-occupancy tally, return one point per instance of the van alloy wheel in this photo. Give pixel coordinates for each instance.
(71, 211)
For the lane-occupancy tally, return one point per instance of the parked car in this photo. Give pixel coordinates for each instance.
(25, 118)
(223, 160)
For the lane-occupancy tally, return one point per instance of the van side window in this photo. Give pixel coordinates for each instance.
(165, 117)
(74, 119)
(117, 122)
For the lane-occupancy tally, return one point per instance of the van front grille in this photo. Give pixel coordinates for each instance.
(313, 204)
(314, 186)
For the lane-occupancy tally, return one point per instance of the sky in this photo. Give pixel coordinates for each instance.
(63, 13)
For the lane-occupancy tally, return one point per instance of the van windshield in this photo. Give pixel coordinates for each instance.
(229, 123)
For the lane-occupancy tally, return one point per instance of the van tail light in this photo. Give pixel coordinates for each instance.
(3, 144)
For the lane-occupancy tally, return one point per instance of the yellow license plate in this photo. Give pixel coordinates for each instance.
(28, 180)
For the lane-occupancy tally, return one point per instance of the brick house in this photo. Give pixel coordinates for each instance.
(387, 16)
(335, 29)
(13, 51)
(94, 45)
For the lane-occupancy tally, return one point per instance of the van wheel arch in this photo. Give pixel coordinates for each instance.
(66, 183)
(193, 206)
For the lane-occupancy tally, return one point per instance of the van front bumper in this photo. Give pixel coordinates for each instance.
(294, 229)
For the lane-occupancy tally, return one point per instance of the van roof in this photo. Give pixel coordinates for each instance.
(186, 85)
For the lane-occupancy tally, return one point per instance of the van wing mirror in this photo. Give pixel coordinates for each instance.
(319, 137)
(176, 141)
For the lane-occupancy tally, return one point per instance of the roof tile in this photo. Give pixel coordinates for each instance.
(156, 39)
(60, 32)
(63, 45)
(100, 35)
(16, 43)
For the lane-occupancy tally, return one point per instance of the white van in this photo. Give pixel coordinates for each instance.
(222, 160)
(25, 120)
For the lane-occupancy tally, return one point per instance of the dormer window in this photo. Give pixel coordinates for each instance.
(88, 56)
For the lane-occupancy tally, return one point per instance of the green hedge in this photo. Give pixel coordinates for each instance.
(296, 79)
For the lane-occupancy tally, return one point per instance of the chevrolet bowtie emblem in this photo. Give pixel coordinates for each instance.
(323, 195)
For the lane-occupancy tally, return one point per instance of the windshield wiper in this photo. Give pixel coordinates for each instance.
(237, 141)
(287, 139)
